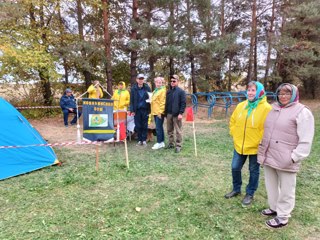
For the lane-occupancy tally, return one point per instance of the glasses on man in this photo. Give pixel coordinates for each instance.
(173, 80)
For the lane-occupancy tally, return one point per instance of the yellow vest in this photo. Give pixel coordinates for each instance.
(121, 100)
(93, 92)
(158, 101)
(246, 131)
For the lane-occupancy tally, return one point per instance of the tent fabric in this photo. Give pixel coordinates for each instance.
(15, 130)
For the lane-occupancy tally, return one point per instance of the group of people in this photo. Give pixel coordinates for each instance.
(276, 137)
(160, 104)
(142, 105)
(69, 106)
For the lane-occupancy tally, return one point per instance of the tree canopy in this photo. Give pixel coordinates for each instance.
(209, 43)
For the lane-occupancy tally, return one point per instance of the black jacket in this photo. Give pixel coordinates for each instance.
(177, 99)
(134, 97)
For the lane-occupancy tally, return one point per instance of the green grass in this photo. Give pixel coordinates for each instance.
(180, 196)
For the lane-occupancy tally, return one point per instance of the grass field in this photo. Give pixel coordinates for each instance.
(164, 195)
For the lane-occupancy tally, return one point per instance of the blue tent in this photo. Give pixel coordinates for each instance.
(15, 130)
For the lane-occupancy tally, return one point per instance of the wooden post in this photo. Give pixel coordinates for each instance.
(97, 157)
(194, 139)
(126, 150)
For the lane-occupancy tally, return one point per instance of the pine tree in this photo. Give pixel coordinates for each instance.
(300, 47)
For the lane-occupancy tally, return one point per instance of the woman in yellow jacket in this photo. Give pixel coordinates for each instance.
(121, 97)
(246, 128)
(94, 90)
(158, 102)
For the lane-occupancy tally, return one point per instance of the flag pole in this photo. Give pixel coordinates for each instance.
(118, 126)
(78, 123)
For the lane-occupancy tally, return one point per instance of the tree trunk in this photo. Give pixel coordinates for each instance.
(269, 41)
(45, 86)
(133, 36)
(62, 43)
(107, 45)
(86, 73)
(222, 22)
(44, 72)
(171, 40)
(229, 74)
(152, 61)
(193, 75)
(171, 66)
(280, 61)
(191, 56)
(255, 59)
(252, 41)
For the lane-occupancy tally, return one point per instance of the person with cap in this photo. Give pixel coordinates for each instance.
(246, 129)
(140, 108)
(95, 90)
(286, 142)
(174, 109)
(68, 105)
(121, 97)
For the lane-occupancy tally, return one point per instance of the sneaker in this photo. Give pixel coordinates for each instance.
(66, 126)
(276, 223)
(178, 149)
(73, 123)
(268, 212)
(144, 143)
(231, 194)
(158, 146)
(247, 200)
(139, 143)
(162, 145)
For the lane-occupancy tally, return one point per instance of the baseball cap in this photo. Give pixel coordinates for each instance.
(140, 76)
(176, 77)
(68, 90)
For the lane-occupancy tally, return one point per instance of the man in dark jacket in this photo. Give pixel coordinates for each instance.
(175, 106)
(140, 108)
(68, 105)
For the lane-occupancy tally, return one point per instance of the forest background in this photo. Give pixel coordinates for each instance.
(211, 44)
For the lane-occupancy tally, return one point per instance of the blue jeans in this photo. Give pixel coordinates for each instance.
(66, 115)
(254, 169)
(141, 123)
(159, 128)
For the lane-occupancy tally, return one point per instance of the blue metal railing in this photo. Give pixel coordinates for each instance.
(225, 100)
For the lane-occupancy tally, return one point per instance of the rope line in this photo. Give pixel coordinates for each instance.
(59, 144)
